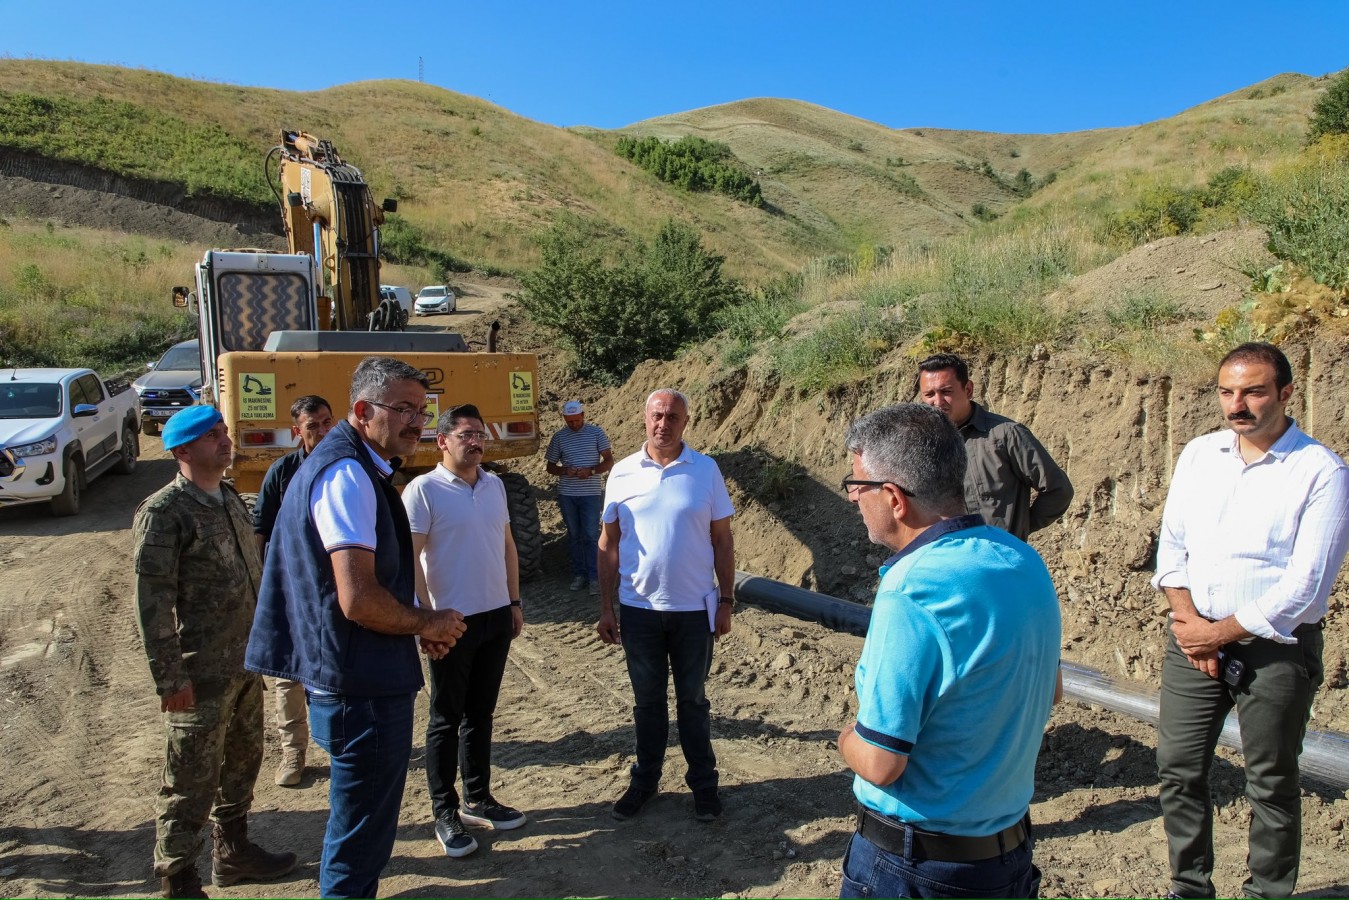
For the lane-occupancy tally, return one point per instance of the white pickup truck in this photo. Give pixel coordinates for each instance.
(59, 429)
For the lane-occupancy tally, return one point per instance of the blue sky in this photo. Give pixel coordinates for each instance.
(1030, 67)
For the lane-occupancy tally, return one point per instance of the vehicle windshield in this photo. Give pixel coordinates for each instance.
(179, 359)
(428, 293)
(27, 400)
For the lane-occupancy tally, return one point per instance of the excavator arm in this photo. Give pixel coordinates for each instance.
(330, 214)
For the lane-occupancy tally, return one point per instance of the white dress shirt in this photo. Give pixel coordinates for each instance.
(1262, 541)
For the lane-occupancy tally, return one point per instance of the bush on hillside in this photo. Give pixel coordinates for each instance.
(612, 304)
(1330, 115)
(405, 244)
(1166, 210)
(1305, 210)
(693, 164)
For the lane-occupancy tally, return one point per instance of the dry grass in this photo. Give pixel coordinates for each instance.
(73, 296)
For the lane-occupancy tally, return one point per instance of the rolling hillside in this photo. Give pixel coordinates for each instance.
(481, 180)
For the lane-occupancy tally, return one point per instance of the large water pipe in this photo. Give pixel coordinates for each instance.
(1325, 754)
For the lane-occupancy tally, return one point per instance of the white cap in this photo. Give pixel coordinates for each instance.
(572, 408)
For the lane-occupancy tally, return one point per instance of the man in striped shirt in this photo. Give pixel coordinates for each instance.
(578, 454)
(1255, 530)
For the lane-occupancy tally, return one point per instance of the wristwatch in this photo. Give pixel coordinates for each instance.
(729, 601)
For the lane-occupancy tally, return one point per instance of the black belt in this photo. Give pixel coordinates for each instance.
(914, 843)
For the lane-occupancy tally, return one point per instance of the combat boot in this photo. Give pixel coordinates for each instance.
(291, 771)
(183, 883)
(235, 858)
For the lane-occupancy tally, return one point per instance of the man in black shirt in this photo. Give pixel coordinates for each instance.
(311, 418)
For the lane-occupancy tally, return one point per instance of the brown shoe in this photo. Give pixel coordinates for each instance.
(183, 883)
(235, 858)
(291, 770)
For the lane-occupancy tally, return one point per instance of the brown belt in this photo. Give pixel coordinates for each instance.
(914, 843)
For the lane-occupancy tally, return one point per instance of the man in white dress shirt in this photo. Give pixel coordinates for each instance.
(1254, 532)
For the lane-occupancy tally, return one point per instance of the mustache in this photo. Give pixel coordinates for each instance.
(1241, 417)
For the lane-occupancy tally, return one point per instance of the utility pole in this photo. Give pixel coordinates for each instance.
(421, 69)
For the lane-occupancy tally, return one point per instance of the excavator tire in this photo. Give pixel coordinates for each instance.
(524, 512)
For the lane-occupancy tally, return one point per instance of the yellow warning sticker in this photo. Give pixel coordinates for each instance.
(522, 392)
(432, 407)
(257, 395)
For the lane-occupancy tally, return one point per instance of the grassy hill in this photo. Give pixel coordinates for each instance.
(481, 183)
(481, 180)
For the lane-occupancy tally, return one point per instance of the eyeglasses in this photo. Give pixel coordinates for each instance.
(409, 416)
(855, 485)
(467, 436)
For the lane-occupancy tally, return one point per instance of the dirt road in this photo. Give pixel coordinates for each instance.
(81, 742)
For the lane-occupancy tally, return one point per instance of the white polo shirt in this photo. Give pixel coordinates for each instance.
(465, 527)
(665, 516)
(342, 503)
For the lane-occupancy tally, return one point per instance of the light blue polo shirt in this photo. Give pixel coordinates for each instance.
(958, 673)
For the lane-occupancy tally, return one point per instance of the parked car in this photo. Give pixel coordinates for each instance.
(435, 298)
(60, 429)
(171, 384)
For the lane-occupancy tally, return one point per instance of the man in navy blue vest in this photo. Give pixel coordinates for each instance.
(337, 612)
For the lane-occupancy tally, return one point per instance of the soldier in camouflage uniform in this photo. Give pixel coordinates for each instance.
(197, 573)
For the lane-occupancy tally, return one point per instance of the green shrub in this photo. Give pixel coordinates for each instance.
(983, 213)
(1145, 310)
(1330, 115)
(693, 164)
(612, 304)
(844, 349)
(1306, 213)
(405, 244)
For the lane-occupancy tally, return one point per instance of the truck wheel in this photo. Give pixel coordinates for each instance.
(524, 513)
(131, 449)
(67, 503)
(150, 428)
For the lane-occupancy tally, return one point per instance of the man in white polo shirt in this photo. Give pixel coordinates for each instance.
(665, 547)
(466, 561)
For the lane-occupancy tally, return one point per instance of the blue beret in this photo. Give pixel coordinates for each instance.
(185, 426)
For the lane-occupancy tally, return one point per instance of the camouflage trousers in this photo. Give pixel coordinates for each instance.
(212, 754)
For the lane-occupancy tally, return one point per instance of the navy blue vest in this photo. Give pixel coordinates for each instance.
(299, 630)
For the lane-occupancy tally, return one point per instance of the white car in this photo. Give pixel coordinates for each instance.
(436, 298)
(59, 430)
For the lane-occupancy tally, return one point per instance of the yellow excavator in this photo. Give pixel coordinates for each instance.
(274, 327)
(330, 214)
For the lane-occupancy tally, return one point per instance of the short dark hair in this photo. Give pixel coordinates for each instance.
(940, 362)
(1261, 352)
(376, 374)
(914, 445)
(454, 415)
(308, 405)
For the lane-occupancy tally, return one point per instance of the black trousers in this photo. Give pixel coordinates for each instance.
(464, 689)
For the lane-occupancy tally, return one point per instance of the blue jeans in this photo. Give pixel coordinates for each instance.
(370, 742)
(582, 518)
(869, 871)
(656, 644)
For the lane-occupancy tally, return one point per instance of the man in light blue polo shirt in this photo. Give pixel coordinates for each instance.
(579, 453)
(665, 548)
(956, 678)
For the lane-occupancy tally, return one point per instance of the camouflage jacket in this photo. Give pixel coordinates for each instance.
(197, 576)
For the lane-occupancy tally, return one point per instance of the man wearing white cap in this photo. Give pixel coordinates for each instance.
(579, 454)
